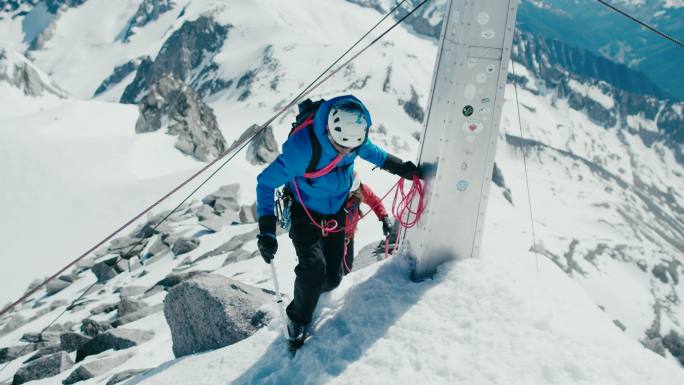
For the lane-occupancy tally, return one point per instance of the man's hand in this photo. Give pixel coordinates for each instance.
(266, 240)
(387, 226)
(268, 246)
(396, 166)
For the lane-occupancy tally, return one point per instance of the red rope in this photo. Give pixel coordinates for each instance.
(401, 210)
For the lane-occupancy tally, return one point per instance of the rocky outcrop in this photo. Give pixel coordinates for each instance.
(263, 149)
(192, 46)
(119, 73)
(580, 77)
(172, 105)
(148, 11)
(43, 367)
(231, 311)
(19, 72)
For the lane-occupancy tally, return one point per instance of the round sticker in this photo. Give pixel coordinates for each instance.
(472, 62)
(468, 110)
(462, 185)
(469, 91)
(488, 34)
(481, 78)
(483, 18)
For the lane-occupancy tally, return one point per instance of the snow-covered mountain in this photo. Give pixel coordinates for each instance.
(604, 164)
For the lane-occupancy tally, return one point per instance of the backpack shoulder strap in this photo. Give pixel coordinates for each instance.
(315, 152)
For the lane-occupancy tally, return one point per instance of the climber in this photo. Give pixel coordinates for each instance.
(317, 167)
(361, 193)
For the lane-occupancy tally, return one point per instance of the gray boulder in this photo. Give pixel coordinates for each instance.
(105, 270)
(12, 323)
(12, 352)
(117, 339)
(104, 308)
(131, 291)
(43, 367)
(45, 350)
(123, 376)
(56, 285)
(128, 305)
(184, 245)
(174, 279)
(92, 328)
(235, 256)
(248, 213)
(140, 314)
(95, 368)
(230, 311)
(71, 341)
(226, 193)
(263, 149)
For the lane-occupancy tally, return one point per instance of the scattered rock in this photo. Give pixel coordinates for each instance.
(128, 305)
(13, 323)
(214, 224)
(131, 291)
(93, 289)
(123, 376)
(184, 245)
(104, 271)
(71, 341)
(31, 337)
(117, 339)
(95, 368)
(248, 214)
(140, 314)
(233, 244)
(675, 344)
(92, 328)
(660, 271)
(43, 367)
(58, 303)
(226, 193)
(231, 312)
(104, 308)
(56, 285)
(263, 149)
(235, 256)
(174, 279)
(12, 352)
(47, 349)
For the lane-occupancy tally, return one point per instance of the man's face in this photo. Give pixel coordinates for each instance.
(340, 149)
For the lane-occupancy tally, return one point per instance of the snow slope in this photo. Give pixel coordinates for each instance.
(494, 320)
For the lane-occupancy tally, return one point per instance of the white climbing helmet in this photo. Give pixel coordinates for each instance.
(347, 123)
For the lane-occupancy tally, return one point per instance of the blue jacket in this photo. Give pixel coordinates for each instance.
(326, 194)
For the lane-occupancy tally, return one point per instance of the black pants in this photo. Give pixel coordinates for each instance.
(320, 261)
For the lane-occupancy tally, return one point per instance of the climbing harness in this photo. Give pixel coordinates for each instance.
(282, 208)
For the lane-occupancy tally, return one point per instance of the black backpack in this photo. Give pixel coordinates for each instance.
(307, 110)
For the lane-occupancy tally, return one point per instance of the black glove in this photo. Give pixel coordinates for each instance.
(387, 226)
(396, 166)
(266, 240)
